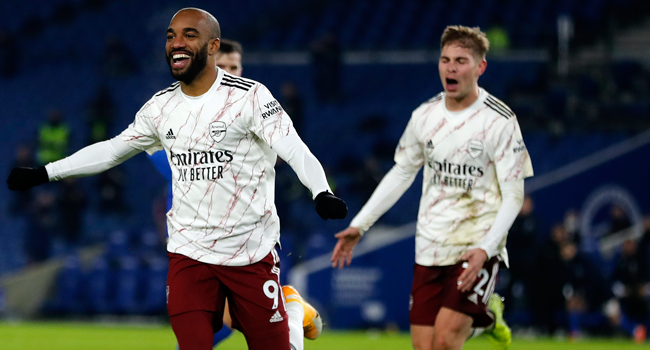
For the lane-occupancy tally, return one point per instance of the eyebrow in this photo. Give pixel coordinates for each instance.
(185, 30)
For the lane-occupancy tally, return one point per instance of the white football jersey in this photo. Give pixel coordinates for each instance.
(218, 147)
(465, 155)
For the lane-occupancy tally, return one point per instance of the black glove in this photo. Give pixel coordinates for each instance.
(329, 206)
(22, 179)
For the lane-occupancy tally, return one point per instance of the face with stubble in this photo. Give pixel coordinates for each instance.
(187, 46)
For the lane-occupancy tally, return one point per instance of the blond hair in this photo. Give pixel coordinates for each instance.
(469, 38)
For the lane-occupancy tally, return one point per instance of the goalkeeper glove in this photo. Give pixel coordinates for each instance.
(329, 206)
(22, 179)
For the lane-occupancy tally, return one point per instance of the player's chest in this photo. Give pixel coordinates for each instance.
(203, 127)
(461, 141)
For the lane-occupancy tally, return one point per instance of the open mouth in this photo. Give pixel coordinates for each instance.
(452, 84)
(180, 60)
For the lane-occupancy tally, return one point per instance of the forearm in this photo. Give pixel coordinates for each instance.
(512, 193)
(389, 190)
(309, 170)
(91, 160)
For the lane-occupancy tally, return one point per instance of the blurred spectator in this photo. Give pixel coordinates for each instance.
(21, 201)
(9, 55)
(572, 226)
(110, 185)
(292, 104)
(118, 60)
(583, 289)
(547, 294)
(523, 235)
(53, 138)
(100, 114)
(619, 220)
(631, 287)
(326, 60)
(72, 204)
(38, 239)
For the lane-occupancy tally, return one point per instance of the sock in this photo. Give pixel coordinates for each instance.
(221, 335)
(296, 314)
(475, 332)
(627, 325)
(574, 322)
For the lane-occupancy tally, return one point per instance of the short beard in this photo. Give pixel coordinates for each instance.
(199, 61)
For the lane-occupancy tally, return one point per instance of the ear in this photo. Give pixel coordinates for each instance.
(213, 46)
(482, 66)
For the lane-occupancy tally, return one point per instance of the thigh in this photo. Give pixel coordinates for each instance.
(194, 330)
(473, 302)
(193, 286)
(256, 303)
(426, 292)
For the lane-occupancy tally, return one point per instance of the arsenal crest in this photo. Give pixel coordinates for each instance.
(218, 131)
(475, 148)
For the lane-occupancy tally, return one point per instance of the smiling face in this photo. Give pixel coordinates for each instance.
(459, 70)
(190, 45)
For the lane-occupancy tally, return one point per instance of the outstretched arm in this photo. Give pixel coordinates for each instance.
(310, 172)
(90, 160)
(389, 190)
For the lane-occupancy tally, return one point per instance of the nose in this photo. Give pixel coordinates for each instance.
(178, 42)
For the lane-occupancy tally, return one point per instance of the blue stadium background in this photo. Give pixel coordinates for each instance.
(54, 53)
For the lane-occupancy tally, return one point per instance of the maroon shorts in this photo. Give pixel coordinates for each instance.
(254, 294)
(436, 286)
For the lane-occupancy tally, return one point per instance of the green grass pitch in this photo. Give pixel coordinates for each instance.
(92, 336)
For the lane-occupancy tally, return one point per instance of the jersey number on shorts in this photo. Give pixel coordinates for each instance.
(486, 290)
(272, 291)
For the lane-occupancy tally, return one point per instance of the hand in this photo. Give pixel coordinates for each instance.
(329, 206)
(342, 255)
(22, 179)
(475, 259)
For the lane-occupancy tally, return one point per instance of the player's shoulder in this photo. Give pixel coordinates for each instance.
(238, 83)
(430, 102)
(498, 108)
(168, 90)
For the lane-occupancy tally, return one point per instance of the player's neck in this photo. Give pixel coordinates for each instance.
(458, 104)
(201, 84)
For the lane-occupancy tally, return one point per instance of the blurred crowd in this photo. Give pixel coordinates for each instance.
(557, 287)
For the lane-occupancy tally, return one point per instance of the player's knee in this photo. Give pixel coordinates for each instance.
(444, 341)
(420, 344)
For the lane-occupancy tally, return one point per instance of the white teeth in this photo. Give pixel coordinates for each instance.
(180, 55)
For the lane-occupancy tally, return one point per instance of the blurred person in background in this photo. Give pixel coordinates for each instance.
(9, 59)
(293, 105)
(522, 235)
(475, 162)
(223, 227)
(630, 309)
(583, 288)
(100, 114)
(72, 204)
(546, 292)
(326, 58)
(20, 202)
(53, 138)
